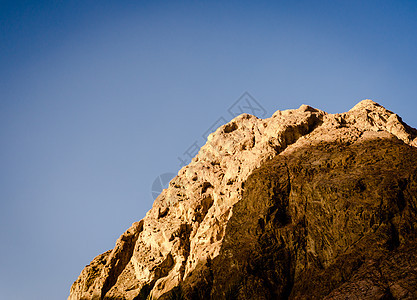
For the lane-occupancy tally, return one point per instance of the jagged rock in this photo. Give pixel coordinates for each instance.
(304, 204)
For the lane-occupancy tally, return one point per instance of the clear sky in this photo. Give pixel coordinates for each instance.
(98, 98)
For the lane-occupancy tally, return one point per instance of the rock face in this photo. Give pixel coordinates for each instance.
(302, 205)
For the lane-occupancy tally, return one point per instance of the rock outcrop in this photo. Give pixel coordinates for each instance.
(302, 205)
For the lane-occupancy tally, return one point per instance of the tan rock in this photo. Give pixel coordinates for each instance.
(186, 225)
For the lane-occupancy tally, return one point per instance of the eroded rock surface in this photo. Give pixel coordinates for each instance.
(300, 205)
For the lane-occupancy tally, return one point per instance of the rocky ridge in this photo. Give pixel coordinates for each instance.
(268, 203)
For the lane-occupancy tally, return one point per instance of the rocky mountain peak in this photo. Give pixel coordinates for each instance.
(260, 184)
(369, 105)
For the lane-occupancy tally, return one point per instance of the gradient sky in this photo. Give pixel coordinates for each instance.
(98, 98)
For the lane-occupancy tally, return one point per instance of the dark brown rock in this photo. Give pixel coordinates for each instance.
(334, 220)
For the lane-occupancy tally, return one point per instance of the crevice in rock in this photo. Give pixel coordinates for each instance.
(120, 257)
(230, 127)
(164, 267)
(205, 186)
(162, 212)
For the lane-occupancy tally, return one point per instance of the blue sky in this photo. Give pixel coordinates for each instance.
(98, 98)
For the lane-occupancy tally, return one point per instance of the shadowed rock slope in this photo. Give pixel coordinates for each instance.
(303, 205)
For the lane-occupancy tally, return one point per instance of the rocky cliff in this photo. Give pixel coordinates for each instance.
(302, 205)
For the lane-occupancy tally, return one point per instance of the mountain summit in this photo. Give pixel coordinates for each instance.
(302, 205)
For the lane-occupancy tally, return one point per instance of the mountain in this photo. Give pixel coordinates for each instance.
(302, 205)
